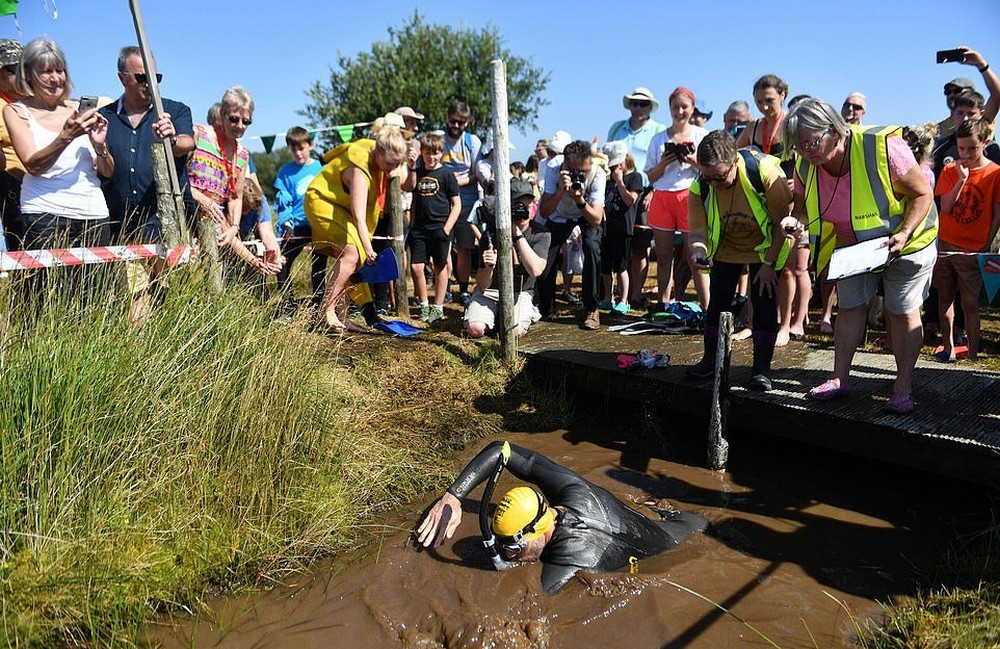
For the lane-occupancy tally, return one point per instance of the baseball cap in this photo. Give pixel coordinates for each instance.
(701, 109)
(406, 111)
(641, 93)
(961, 82)
(520, 188)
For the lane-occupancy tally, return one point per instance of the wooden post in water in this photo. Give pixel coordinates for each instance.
(501, 176)
(718, 419)
(394, 205)
(169, 197)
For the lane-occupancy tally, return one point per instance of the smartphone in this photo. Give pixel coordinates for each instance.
(950, 56)
(87, 103)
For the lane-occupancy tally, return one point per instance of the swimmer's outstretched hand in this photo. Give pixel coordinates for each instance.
(441, 521)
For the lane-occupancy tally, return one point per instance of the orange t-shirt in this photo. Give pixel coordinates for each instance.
(967, 226)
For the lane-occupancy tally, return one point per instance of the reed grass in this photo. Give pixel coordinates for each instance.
(142, 468)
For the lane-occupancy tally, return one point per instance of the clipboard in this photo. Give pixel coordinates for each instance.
(858, 259)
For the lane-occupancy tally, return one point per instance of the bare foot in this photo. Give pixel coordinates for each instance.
(782, 338)
(743, 334)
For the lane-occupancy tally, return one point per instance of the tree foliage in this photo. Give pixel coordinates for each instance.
(424, 66)
(267, 165)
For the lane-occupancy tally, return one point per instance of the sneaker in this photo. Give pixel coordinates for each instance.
(604, 305)
(828, 390)
(434, 314)
(622, 308)
(425, 312)
(465, 297)
(592, 321)
(759, 383)
(900, 403)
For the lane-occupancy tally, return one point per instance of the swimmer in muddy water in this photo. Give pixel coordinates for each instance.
(571, 524)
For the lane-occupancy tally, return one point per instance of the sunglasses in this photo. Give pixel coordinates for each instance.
(10, 69)
(236, 119)
(952, 90)
(856, 107)
(142, 77)
(458, 122)
(638, 103)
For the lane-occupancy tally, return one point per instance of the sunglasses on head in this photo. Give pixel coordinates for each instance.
(952, 90)
(851, 106)
(142, 77)
(236, 119)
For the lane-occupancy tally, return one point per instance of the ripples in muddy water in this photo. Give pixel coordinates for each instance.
(802, 544)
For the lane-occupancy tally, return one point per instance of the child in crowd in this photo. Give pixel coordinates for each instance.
(257, 214)
(969, 189)
(436, 207)
(291, 183)
(623, 190)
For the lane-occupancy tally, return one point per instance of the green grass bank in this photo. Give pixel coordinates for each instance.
(208, 450)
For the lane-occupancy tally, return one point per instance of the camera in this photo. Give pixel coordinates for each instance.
(680, 150)
(576, 179)
(519, 211)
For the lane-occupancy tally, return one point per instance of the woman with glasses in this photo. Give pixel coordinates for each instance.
(734, 209)
(64, 153)
(217, 169)
(852, 184)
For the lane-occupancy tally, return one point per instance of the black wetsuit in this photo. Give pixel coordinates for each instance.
(595, 531)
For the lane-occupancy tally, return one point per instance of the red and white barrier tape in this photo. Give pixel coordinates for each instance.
(35, 259)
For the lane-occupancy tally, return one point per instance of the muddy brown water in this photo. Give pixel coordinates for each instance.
(803, 544)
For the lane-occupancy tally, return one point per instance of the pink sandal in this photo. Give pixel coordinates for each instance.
(828, 390)
(900, 403)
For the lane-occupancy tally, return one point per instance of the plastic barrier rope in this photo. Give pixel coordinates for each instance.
(35, 259)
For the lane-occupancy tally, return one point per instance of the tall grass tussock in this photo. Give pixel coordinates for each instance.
(142, 468)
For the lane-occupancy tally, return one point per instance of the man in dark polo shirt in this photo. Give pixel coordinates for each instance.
(131, 193)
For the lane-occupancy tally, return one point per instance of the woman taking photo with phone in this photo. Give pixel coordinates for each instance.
(63, 151)
(671, 167)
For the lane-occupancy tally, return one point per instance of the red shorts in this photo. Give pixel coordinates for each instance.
(669, 211)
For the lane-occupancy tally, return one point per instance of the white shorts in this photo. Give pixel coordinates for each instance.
(483, 309)
(907, 283)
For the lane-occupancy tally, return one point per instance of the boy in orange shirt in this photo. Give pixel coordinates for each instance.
(969, 189)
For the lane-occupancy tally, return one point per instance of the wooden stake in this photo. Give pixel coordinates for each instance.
(718, 420)
(169, 197)
(501, 177)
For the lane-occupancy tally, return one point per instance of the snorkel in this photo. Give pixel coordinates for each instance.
(489, 538)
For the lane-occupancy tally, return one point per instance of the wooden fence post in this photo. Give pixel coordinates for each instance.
(501, 176)
(394, 204)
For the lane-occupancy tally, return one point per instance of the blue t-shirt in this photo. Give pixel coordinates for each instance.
(459, 156)
(637, 141)
(252, 218)
(291, 184)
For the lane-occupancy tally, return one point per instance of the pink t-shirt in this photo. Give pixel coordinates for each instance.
(835, 193)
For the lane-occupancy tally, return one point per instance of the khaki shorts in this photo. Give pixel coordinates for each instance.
(483, 309)
(959, 270)
(907, 283)
(144, 274)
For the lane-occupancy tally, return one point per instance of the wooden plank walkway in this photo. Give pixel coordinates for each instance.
(955, 429)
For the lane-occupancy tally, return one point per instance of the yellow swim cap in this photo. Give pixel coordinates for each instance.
(522, 515)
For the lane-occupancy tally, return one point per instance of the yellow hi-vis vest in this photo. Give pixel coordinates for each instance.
(875, 210)
(748, 172)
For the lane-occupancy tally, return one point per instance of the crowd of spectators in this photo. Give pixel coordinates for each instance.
(750, 213)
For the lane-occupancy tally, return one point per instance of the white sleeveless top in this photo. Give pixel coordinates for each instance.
(70, 187)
